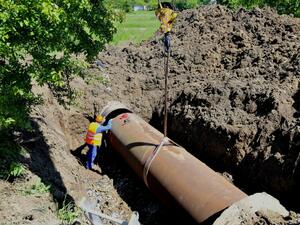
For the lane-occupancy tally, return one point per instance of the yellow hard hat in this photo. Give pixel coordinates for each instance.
(99, 119)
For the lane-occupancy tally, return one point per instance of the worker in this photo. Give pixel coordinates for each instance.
(167, 17)
(94, 138)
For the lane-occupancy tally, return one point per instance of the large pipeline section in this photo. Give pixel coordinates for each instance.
(178, 178)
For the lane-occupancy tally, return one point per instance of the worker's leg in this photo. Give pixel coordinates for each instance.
(91, 155)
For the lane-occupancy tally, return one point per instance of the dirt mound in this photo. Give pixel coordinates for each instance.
(234, 91)
(238, 107)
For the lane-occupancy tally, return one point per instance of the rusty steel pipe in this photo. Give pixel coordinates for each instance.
(175, 176)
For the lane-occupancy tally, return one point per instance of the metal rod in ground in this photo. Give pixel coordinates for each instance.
(166, 93)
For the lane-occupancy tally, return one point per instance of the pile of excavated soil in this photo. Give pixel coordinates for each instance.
(234, 94)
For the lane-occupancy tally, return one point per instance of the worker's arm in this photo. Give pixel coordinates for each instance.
(104, 128)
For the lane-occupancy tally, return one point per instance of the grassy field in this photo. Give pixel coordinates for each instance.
(137, 26)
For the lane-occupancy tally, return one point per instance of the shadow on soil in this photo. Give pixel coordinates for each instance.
(41, 164)
(132, 190)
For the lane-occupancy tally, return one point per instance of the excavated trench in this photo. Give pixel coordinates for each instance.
(234, 104)
(234, 93)
(210, 145)
(118, 186)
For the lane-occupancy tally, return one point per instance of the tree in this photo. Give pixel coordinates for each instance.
(286, 6)
(282, 6)
(125, 5)
(37, 39)
(188, 4)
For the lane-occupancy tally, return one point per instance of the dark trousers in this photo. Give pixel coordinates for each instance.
(91, 155)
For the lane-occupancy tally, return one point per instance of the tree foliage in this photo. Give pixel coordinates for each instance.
(188, 4)
(282, 6)
(127, 5)
(37, 40)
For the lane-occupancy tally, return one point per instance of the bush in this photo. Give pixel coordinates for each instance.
(9, 155)
(186, 4)
(282, 6)
(125, 5)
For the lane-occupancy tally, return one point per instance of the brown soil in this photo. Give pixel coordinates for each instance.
(234, 104)
(234, 92)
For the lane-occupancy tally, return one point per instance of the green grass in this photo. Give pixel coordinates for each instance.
(16, 170)
(68, 213)
(136, 27)
(36, 189)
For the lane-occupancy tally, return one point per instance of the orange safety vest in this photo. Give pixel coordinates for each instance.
(93, 138)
